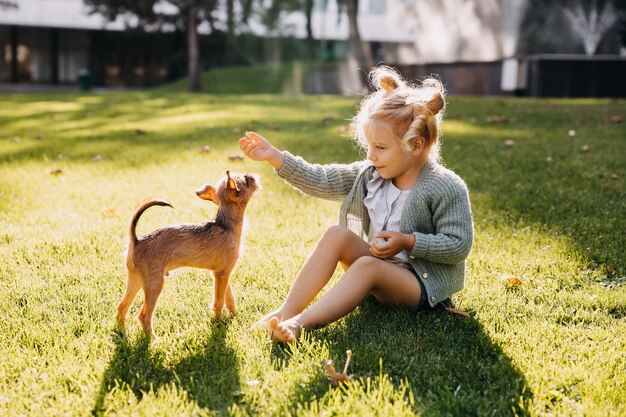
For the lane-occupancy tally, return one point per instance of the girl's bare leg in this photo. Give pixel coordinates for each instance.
(338, 245)
(389, 283)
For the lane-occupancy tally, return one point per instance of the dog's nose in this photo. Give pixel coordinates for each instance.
(250, 179)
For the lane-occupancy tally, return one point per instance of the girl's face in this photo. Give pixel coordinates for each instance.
(387, 154)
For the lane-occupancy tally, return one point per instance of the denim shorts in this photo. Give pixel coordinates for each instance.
(423, 304)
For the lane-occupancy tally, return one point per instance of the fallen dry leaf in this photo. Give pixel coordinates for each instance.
(607, 270)
(327, 120)
(110, 212)
(235, 157)
(497, 118)
(511, 281)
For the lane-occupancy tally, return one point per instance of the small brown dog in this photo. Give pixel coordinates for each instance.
(211, 245)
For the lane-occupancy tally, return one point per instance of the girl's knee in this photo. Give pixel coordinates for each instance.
(367, 263)
(365, 268)
(337, 232)
(346, 245)
(339, 236)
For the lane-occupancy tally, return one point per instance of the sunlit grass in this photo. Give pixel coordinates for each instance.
(548, 209)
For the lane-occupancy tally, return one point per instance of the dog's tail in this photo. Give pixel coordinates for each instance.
(132, 235)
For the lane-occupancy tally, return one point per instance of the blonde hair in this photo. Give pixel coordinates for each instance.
(411, 110)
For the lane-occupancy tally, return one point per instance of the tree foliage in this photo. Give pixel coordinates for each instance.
(6, 4)
(153, 13)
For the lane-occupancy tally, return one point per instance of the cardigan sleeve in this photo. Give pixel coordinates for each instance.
(331, 181)
(452, 220)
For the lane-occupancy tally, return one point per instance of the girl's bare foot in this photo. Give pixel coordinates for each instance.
(287, 331)
(262, 323)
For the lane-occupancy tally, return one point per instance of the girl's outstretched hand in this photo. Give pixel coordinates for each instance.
(257, 148)
(394, 244)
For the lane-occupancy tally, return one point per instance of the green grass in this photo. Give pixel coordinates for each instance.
(287, 78)
(545, 211)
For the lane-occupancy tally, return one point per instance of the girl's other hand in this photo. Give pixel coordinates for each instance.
(395, 243)
(257, 148)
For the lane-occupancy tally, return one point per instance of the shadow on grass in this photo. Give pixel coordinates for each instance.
(208, 375)
(119, 128)
(451, 364)
(564, 184)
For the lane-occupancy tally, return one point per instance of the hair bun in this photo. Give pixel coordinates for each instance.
(388, 83)
(385, 78)
(436, 103)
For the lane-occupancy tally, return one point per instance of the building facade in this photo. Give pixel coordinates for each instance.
(54, 41)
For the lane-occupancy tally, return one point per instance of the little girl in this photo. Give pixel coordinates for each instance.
(415, 212)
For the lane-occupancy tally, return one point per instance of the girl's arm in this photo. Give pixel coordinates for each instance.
(331, 181)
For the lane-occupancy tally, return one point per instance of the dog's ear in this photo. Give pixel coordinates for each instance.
(231, 183)
(208, 193)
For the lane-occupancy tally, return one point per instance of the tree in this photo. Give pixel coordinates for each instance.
(310, 43)
(6, 4)
(271, 15)
(157, 14)
(358, 50)
(356, 47)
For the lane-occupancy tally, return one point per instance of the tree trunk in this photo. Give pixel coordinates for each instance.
(229, 51)
(193, 50)
(361, 51)
(310, 44)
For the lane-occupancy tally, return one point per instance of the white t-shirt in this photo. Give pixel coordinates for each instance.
(384, 202)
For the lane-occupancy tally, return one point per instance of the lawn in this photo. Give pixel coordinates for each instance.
(547, 184)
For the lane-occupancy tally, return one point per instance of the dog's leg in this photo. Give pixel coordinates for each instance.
(133, 285)
(231, 305)
(221, 285)
(152, 291)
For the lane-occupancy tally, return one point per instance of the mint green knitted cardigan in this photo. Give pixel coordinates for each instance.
(437, 211)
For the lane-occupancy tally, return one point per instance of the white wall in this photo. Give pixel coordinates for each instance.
(326, 25)
(55, 13)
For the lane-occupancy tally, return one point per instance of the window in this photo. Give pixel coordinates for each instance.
(320, 5)
(376, 6)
